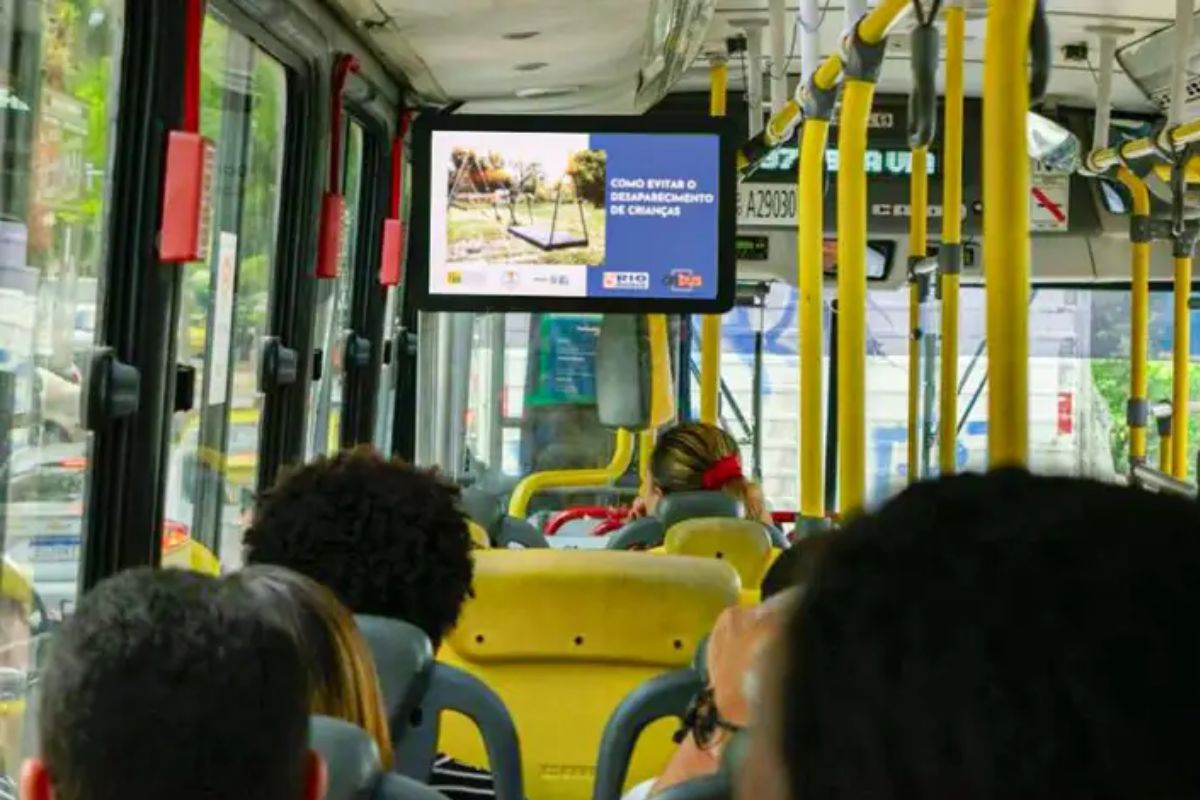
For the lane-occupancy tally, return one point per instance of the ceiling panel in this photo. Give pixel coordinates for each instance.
(511, 54)
(1072, 83)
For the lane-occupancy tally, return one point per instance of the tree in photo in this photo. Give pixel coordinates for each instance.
(589, 171)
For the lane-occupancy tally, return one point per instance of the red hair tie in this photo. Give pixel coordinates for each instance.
(723, 471)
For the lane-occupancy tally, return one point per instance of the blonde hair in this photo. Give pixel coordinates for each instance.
(686, 453)
(342, 681)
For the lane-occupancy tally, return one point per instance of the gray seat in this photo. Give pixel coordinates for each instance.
(404, 660)
(452, 689)
(486, 510)
(680, 506)
(352, 762)
(650, 532)
(664, 696)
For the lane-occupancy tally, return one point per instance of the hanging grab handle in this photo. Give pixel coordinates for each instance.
(922, 103)
(1041, 53)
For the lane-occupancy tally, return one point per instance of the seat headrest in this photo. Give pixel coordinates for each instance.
(642, 533)
(482, 507)
(350, 755)
(744, 543)
(555, 606)
(403, 659)
(623, 372)
(680, 506)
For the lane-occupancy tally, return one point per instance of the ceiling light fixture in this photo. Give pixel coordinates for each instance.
(519, 36)
(531, 66)
(554, 91)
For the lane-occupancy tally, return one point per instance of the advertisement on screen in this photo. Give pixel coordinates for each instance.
(575, 219)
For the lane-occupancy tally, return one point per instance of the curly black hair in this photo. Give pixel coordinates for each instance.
(389, 539)
(797, 565)
(1006, 637)
(182, 674)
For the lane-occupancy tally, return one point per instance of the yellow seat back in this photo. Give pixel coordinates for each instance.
(479, 537)
(189, 554)
(562, 636)
(744, 543)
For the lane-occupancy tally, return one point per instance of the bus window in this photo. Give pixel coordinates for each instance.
(1079, 383)
(60, 101)
(223, 312)
(332, 322)
(536, 414)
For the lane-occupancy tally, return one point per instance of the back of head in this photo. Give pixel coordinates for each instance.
(1003, 637)
(387, 538)
(342, 680)
(797, 565)
(696, 457)
(167, 684)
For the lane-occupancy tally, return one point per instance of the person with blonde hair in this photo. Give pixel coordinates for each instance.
(698, 457)
(342, 680)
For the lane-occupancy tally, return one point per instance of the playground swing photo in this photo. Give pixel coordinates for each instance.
(550, 238)
(504, 207)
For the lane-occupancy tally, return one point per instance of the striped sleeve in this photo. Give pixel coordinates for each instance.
(458, 781)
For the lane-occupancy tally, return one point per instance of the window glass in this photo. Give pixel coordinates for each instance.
(385, 406)
(224, 310)
(334, 312)
(58, 101)
(1079, 383)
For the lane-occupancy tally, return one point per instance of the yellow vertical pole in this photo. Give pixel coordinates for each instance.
(1165, 453)
(857, 97)
(1139, 322)
(950, 268)
(811, 280)
(710, 325)
(918, 248)
(1180, 395)
(646, 440)
(1006, 254)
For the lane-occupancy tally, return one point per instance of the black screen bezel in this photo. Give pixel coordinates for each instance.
(417, 269)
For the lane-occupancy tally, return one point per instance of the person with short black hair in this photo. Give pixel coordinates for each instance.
(169, 684)
(389, 540)
(1006, 637)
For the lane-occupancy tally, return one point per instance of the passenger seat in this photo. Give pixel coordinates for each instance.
(352, 760)
(417, 690)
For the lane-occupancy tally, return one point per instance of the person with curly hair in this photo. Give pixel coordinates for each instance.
(1000, 637)
(388, 539)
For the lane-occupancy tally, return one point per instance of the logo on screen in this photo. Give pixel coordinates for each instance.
(684, 280)
(454, 278)
(510, 278)
(627, 280)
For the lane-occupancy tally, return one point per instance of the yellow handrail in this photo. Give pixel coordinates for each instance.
(1165, 454)
(710, 325)
(1174, 139)
(811, 253)
(918, 247)
(645, 450)
(857, 96)
(530, 485)
(1006, 228)
(1179, 380)
(952, 200)
(872, 28)
(1139, 323)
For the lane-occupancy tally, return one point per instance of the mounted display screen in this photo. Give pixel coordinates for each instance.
(531, 213)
